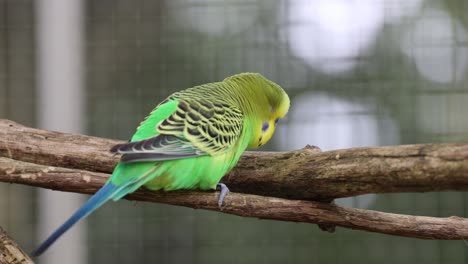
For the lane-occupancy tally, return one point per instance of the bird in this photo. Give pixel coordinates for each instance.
(190, 141)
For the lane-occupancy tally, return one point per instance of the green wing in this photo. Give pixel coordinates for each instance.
(211, 127)
(183, 128)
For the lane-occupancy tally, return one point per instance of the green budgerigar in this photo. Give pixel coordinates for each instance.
(191, 140)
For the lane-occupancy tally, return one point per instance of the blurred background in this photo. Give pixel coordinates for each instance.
(359, 73)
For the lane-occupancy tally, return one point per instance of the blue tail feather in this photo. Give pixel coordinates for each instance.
(98, 199)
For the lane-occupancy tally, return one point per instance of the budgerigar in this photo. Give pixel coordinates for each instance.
(191, 140)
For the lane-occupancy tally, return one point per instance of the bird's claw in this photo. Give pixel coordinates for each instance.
(224, 191)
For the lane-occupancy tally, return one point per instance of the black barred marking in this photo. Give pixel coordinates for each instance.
(219, 111)
(160, 147)
(225, 139)
(206, 114)
(154, 143)
(206, 104)
(116, 148)
(183, 106)
(180, 114)
(190, 122)
(195, 106)
(193, 116)
(171, 119)
(212, 132)
(139, 145)
(177, 128)
(213, 126)
(193, 131)
(165, 123)
(169, 130)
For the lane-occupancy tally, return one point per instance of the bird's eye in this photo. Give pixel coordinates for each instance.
(265, 126)
(276, 121)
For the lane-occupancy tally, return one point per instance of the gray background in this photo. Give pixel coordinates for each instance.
(359, 73)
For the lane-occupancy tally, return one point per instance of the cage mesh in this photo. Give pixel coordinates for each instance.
(360, 73)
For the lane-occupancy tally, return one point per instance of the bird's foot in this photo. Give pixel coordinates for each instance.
(224, 191)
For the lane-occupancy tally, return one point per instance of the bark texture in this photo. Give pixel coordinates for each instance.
(268, 180)
(246, 205)
(307, 174)
(10, 252)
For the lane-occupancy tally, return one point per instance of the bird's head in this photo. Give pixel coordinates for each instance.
(279, 103)
(268, 103)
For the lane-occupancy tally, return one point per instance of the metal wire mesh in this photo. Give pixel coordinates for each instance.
(359, 73)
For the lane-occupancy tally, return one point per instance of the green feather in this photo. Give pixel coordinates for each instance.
(147, 128)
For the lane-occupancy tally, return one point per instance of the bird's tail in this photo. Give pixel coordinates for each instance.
(103, 195)
(114, 190)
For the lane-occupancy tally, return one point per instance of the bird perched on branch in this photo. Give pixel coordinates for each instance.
(191, 140)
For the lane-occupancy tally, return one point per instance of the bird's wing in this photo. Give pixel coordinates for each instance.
(211, 127)
(160, 147)
(194, 127)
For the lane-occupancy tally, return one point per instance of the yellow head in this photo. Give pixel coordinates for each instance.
(264, 101)
(264, 132)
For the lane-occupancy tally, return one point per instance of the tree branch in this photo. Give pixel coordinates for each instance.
(10, 252)
(246, 205)
(306, 174)
(78, 163)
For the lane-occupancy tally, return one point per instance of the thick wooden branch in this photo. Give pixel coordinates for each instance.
(307, 174)
(245, 205)
(10, 252)
(77, 163)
